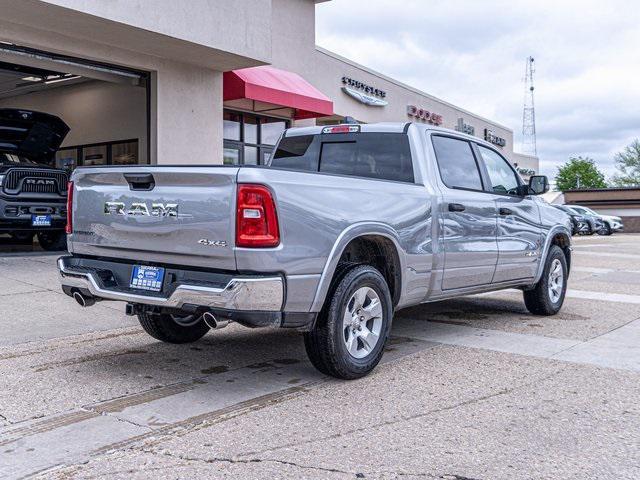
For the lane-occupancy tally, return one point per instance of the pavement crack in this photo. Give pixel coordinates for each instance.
(244, 461)
(125, 420)
(358, 474)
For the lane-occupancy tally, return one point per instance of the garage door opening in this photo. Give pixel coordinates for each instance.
(106, 109)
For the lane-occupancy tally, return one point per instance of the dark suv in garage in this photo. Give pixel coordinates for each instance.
(32, 193)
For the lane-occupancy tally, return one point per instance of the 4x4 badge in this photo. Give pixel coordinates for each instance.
(212, 243)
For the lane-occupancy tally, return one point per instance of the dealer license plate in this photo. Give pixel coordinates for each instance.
(41, 220)
(145, 277)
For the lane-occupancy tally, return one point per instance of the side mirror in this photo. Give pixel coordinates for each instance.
(538, 184)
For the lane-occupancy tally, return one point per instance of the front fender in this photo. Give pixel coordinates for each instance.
(346, 236)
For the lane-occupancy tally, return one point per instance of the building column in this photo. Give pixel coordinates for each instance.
(186, 115)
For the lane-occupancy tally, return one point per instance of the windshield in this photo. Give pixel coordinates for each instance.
(12, 159)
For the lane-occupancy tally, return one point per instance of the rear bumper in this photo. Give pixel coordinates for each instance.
(216, 291)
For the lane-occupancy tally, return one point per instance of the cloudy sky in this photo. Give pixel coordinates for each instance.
(473, 53)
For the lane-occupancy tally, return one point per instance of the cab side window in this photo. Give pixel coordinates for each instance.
(503, 178)
(457, 163)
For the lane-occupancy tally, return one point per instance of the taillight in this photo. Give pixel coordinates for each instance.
(69, 227)
(256, 217)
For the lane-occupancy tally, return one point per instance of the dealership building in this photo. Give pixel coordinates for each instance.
(198, 82)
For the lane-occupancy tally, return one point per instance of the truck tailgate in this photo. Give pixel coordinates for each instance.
(169, 215)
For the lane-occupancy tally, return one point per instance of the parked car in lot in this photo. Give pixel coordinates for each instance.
(346, 225)
(596, 224)
(610, 223)
(579, 223)
(32, 194)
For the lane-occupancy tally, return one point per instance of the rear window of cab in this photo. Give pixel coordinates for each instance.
(382, 156)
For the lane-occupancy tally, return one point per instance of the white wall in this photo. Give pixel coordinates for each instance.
(95, 111)
(233, 33)
(188, 108)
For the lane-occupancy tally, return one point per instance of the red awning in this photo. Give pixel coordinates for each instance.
(278, 87)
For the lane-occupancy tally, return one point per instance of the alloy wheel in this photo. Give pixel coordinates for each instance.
(556, 280)
(362, 322)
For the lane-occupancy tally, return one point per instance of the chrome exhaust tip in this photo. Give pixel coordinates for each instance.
(84, 301)
(212, 322)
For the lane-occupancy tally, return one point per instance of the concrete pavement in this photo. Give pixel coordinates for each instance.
(473, 388)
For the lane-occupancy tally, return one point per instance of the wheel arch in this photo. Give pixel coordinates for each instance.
(378, 238)
(561, 237)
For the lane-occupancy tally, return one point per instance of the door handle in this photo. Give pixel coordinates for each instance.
(505, 211)
(456, 207)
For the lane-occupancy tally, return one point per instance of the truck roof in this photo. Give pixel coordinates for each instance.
(383, 127)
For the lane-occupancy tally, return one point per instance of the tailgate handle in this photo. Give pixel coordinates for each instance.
(140, 181)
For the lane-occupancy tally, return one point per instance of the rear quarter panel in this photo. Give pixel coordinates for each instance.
(319, 212)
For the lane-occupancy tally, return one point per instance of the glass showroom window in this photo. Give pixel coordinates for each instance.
(123, 152)
(249, 139)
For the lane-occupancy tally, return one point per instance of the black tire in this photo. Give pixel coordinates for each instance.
(607, 229)
(164, 328)
(52, 241)
(325, 344)
(22, 238)
(538, 300)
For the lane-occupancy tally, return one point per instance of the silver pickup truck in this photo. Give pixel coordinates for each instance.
(346, 225)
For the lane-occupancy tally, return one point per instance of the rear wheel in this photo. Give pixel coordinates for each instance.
(172, 328)
(348, 340)
(51, 241)
(547, 296)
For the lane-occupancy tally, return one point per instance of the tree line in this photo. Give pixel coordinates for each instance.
(582, 172)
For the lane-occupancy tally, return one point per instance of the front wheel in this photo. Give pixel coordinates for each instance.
(547, 297)
(348, 340)
(173, 328)
(52, 241)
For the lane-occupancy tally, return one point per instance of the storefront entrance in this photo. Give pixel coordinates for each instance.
(249, 138)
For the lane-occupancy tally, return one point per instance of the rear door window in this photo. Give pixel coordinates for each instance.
(457, 163)
(383, 156)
